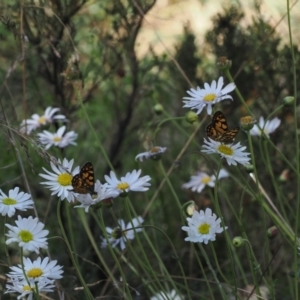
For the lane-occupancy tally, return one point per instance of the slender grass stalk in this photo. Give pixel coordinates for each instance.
(84, 222)
(5, 238)
(86, 290)
(218, 209)
(96, 136)
(294, 64)
(221, 289)
(161, 264)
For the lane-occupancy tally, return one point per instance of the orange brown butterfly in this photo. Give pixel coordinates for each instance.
(84, 181)
(218, 129)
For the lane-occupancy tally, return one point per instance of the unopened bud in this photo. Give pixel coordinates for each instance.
(191, 117)
(158, 108)
(284, 176)
(224, 63)
(249, 168)
(247, 122)
(288, 100)
(238, 241)
(272, 232)
(191, 208)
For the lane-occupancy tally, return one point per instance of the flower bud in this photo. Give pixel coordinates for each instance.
(158, 108)
(288, 100)
(247, 123)
(249, 168)
(272, 232)
(191, 117)
(238, 241)
(191, 208)
(284, 176)
(224, 63)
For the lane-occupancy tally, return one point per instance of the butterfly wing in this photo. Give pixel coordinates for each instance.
(218, 129)
(84, 182)
(219, 122)
(228, 136)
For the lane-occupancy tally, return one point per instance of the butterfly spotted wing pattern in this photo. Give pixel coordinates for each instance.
(84, 181)
(218, 129)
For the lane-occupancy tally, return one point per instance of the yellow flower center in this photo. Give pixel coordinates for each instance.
(154, 150)
(26, 236)
(57, 139)
(225, 150)
(123, 186)
(210, 97)
(42, 120)
(64, 179)
(35, 272)
(204, 228)
(26, 288)
(205, 180)
(9, 201)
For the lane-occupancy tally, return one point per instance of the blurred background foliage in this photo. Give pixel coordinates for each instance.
(54, 50)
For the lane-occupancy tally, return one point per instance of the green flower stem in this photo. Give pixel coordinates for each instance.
(279, 195)
(171, 188)
(93, 130)
(219, 213)
(282, 156)
(191, 138)
(83, 219)
(234, 257)
(110, 271)
(36, 291)
(221, 289)
(278, 219)
(203, 272)
(252, 260)
(5, 238)
(295, 83)
(228, 75)
(172, 119)
(135, 271)
(129, 207)
(85, 288)
(71, 235)
(128, 294)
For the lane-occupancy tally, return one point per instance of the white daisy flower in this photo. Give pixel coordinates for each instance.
(36, 121)
(167, 296)
(28, 233)
(267, 127)
(210, 95)
(155, 153)
(16, 285)
(201, 179)
(37, 270)
(58, 139)
(103, 193)
(15, 200)
(122, 234)
(232, 153)
(130, 182)
(60, 182)
(202, 227)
